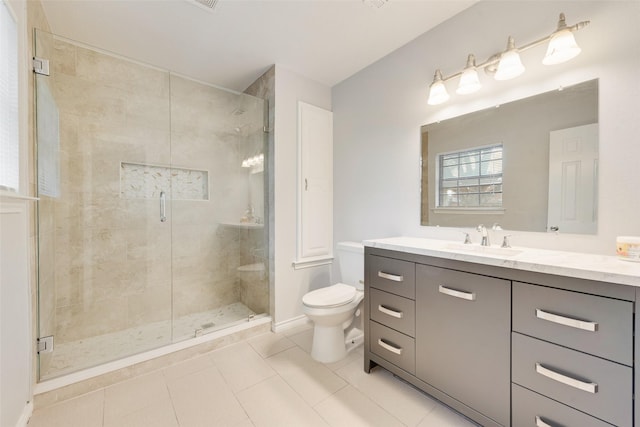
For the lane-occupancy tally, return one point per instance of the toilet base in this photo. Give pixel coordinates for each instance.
(330, 344)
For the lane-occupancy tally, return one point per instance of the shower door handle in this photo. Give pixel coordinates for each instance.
(163, 202)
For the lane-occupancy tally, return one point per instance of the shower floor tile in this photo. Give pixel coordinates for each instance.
(75, 355)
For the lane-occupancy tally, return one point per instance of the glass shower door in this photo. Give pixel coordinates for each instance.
(103, 136)
(218, 233)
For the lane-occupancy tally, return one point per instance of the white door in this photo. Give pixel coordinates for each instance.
(573, 180)
(315, 174)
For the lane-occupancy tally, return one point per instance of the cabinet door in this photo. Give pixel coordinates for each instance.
(463, 338)
(392, 275)
(315, 185)
(590, 384)
(393, 311)
(534, 410)
(589, 323)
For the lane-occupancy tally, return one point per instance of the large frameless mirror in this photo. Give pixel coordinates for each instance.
(529, 165)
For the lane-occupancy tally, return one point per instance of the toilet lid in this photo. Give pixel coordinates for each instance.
(331, 296)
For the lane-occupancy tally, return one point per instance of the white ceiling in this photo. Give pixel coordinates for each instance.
(231, 46)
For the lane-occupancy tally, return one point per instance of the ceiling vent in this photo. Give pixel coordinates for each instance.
(205, 4)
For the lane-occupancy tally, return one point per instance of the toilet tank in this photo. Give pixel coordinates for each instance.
(351, 263)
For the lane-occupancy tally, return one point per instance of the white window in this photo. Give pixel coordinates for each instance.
(9, 141)
(470, 178)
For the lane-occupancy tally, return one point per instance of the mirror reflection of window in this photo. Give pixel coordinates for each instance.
(9, 142)
(470, 178)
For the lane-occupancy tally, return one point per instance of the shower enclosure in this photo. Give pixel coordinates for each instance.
(151, 213)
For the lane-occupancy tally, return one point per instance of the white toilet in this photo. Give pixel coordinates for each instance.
(335, 310)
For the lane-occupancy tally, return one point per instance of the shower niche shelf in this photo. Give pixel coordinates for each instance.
(142, 181)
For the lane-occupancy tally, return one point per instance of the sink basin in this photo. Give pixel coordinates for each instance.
(486, 250)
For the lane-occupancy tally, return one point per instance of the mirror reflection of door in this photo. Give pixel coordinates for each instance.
(573, 180)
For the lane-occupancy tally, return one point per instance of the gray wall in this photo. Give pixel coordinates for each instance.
(379, 111)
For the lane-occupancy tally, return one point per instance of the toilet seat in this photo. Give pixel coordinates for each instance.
(331, 296)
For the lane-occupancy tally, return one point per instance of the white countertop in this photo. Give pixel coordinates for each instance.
(602, 268)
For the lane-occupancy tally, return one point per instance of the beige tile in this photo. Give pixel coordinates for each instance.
(158, 414)
(356, 355)
(311, 379)
(443, 416)
(241, 366)
(397, 397)
(133, 395)
(304, 339)
(245, 423)
(187, 367)
(273, 403)
(350, 408)
(83, 411)
(270, 343)
(82, 321)
(203, 398)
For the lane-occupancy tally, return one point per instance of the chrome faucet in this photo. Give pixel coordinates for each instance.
(485, 235)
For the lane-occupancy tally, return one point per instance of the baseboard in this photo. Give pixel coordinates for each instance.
(291, 323)
(26, 414)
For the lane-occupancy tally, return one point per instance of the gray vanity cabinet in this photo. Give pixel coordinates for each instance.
(462, 338)
(505, 347)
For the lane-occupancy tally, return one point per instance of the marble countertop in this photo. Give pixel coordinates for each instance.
(602, 268)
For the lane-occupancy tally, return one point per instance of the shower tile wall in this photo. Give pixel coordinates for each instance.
(106, 262)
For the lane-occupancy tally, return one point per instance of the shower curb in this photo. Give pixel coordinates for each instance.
(56, 390)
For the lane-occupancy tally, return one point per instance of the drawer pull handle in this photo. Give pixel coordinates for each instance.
(572, 382)
(567, 321)
(541, 423)
(394, 277)
(389, 347)
(389, 312)
(470, 296)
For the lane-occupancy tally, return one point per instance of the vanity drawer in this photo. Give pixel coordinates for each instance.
(529, 409)
(596, 386)
(393, 275)
(596, 325)
(396, 312)
(393, 346)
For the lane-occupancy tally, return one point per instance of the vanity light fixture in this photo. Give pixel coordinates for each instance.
(510, 65)
(507, 64)
(562, 45)
(437, 92)
(469, 80)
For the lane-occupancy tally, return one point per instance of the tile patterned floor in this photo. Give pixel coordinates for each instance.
(269, 380)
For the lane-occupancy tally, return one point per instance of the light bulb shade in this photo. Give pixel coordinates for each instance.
(510, 65)
(469, 82)
(562, 47)
(437, 91)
